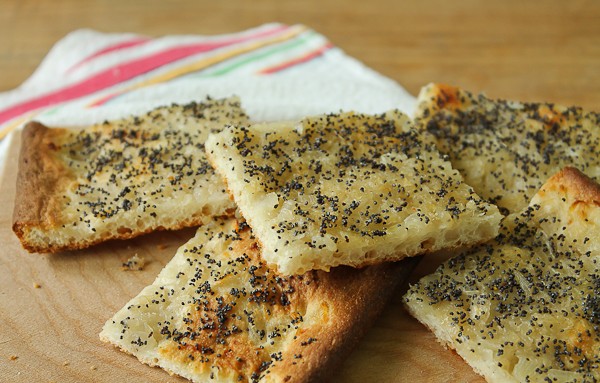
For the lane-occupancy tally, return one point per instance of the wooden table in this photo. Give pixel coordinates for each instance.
(516, 49)
(511, 49)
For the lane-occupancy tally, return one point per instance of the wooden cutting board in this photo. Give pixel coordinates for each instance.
(52, 308)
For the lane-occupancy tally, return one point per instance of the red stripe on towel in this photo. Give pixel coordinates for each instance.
(125, 71)
(117, 47)
(297, 61)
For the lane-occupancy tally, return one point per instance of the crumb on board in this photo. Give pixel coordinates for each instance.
(65, 363)
(36, 285)
(93, 368)
(13, 357)
(135, 263)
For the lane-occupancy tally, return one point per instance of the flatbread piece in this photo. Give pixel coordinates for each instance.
(525, 307)
(120, 179)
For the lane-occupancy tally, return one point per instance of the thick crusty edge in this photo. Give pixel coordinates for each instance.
(570, 181)
(37, 180)
(359, 295)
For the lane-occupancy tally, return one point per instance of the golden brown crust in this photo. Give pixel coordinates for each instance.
(357, 297)
(41, 177)
(37, 180)
(506, 150)
(120, 179)
(532, 288)
(446, 96)
(573, 197)
(576, 184)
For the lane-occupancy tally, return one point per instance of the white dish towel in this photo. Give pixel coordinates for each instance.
(279, 71)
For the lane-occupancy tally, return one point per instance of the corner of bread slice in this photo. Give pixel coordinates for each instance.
(528, 289)
(479, 360)
(121, 178)
(436, 96)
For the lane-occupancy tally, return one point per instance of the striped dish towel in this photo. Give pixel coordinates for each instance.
(279, 71)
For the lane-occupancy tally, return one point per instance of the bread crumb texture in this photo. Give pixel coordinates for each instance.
(122, 178)
(506, 150)
(135, 263)
(525, 307)
(347, 189)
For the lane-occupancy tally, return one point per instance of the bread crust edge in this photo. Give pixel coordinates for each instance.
(359, 296)
(37, 179)
(576, 184)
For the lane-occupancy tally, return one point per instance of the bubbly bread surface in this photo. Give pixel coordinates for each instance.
(216, 312)
(120, 179)
(347, 189)
(506, 150)
(525, 307)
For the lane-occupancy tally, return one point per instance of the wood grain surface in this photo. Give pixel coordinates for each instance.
(53, 306)
(525, 50)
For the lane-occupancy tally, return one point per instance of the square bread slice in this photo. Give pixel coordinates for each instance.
(347, 189)
(525, 307)
(120, 179)
(216, 312)
(506, 150)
